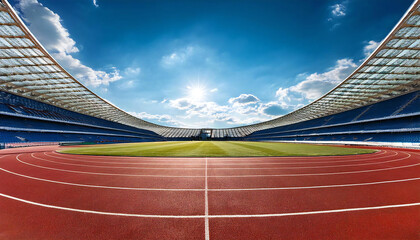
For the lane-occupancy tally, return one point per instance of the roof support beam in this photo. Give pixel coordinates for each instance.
(28, 73)
(20, 57)
(27, 65)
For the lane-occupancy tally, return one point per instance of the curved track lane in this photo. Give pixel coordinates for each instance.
(49, 195)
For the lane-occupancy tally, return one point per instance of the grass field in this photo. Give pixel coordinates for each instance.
(213, 149)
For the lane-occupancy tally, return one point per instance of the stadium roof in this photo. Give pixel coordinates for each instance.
(28, 70)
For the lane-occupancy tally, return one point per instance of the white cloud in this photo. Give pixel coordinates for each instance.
(130, 83)
(244, 109)
(317, 84)
(273, 109)
(283, 94)
(132, 71)
(95, 3)
(178, 57)
(244, 99)
(370, 47)
(338, 10)
(46, 26)
(180, 103)
(314, 85)
(214, 90)
(161, 118)
(248, 108)
(201, 109)
(313, 89)
(84, 73)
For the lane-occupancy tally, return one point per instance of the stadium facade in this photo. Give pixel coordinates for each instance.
(41, 103)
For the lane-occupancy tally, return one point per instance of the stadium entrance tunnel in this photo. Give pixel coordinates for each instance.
(205, 134)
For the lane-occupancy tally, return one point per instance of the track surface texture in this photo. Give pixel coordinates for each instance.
(50, 195)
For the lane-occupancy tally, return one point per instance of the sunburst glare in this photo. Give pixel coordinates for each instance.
(197, 92)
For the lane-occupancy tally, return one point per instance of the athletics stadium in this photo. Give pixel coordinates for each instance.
(75, 166)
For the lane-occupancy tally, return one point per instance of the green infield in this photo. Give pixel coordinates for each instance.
(214, 149)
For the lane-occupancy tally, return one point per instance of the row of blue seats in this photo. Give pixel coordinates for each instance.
(38, 113)
(407, 104)
(400, 114)
(10, 122)
(407, 137)
(20, 106)
(10, 137)
(408, 123)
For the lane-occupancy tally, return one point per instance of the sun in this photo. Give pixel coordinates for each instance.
(196, 92)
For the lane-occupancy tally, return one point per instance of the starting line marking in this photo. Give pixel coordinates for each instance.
(209, 216)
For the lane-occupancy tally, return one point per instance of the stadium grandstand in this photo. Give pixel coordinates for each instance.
(345, 166)
(42, 104)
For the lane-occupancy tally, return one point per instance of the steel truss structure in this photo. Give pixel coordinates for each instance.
(28, 70)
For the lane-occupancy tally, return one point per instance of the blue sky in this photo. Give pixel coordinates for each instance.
(210, 63)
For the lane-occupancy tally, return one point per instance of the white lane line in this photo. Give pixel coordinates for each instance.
(219, 176)
(209, 216)
(99, 212)
(116, 158)
(314, 187)
(104, 187)
(135, 160)
(97, 166)
(79, 157)
(206, 213)
(242, 162)
(316, 212)
(306, 162)
(229, 164)
(314, 174)
(234, 168)
(104, 174)
(209, 189)
(170, 163)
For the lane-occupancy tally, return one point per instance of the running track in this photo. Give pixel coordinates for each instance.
(48, 195)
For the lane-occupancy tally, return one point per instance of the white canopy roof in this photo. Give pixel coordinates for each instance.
(28, 70)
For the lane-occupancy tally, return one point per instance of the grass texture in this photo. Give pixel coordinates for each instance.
(213, 149)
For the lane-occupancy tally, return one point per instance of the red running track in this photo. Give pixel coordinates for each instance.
(48, 195)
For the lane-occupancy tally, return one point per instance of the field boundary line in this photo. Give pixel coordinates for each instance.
(222, 176)
(233, 168)
(256, 162)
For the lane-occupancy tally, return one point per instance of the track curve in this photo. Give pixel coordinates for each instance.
(50, 195)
